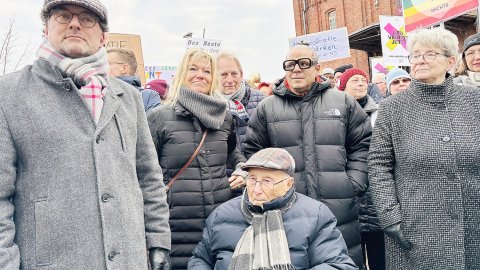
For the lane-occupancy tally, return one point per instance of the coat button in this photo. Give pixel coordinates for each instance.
(106, 197)
(446, 139)
(450, 176)
(67, 86)
(112, 255)
(454, 216)
(98, 139)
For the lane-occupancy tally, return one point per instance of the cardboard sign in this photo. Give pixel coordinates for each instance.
(212, 46)
(425, 13)
(130, 42)
(329, 45)
(394, 41)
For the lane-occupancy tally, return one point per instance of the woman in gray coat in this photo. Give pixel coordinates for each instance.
(423, 163)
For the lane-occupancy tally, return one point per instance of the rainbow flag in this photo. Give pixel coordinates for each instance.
(425, 13)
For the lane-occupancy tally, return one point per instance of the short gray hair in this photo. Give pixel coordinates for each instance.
(437, 37)
(305, 47)
(232, 56)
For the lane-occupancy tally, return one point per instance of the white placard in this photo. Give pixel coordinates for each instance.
(394, 41)
(212, 46)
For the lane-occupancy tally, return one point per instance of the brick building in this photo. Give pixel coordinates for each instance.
(362, 22)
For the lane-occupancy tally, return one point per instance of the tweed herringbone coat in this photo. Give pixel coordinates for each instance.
(424, 172)
(75, 194)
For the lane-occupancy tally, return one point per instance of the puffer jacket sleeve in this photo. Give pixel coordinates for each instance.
(9, 253)
(359, 132)
(150, 177)
(234, 154)
(257, 133)
(202, 259)
(328, 249)
(381, 162)
(151, 99)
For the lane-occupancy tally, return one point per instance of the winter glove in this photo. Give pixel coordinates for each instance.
(396, 234)
(159, 259)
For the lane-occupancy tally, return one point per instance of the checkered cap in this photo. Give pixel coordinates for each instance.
(94, 6)
(272, 158)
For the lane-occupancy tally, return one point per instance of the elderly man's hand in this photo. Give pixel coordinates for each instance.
(236, 181)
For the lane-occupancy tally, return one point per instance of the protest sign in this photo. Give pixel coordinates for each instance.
(328, 45)
(212, 46)
(425, 13)
(378, 66)
(160, 72)
(394, 41)
(130, 42)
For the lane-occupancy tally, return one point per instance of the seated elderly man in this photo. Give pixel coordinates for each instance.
(271, 226)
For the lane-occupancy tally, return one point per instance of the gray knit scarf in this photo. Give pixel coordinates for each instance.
(264, 244)
(234, 102)
(210, 110)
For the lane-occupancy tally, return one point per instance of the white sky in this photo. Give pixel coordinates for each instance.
(256, 30)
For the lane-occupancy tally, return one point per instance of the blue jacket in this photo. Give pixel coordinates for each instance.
(310, 227)
(374, 92)
(151, 99)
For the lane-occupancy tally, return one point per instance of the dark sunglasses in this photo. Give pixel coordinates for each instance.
(303, 63)
(403, 80)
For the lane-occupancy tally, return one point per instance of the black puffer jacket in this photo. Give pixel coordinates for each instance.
(204, 185)
(328, 135)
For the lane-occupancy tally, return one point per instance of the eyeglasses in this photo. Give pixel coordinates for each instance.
(264, 183)
(86, 20)
(403, 80)
(427, 57)
(471, 52)
(303, 63)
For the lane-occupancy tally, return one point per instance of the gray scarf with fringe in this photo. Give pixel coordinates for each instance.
(263, 245)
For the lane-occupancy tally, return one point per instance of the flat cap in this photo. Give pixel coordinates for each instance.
(94, 6)
(272, 158)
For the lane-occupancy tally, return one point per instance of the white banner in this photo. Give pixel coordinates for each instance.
(378, 66)
(160, 72)
(394, 41)
(212, 46)
(329, 45)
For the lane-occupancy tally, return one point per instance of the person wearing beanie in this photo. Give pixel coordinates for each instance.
(195, 138)
(471, 62)
(159, 86)
(327, 133)
(244, 233)
(80, 185)
(398, 80)
(123, 66)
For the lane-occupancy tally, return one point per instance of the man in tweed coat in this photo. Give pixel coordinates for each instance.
(80, 184)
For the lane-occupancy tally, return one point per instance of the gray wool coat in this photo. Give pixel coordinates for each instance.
(73, 194)
(424, 172)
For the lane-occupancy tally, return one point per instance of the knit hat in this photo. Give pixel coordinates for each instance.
(348, 74)
(159, 86)
(342, 68)
(95, 6)
(471, 41)
(327, 71)
(395, 74)
(272, 158)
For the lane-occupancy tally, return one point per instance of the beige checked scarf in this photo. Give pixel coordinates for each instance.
(89, 72)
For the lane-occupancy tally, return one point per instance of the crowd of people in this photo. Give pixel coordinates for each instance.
(323, 169)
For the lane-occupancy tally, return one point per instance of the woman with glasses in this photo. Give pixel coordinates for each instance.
(398, 80)
(471, 62)
(194, 114)
(424, 163)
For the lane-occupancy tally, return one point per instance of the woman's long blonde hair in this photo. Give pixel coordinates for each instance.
(191, 56)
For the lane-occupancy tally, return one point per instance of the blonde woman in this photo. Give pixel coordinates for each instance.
(194, 109)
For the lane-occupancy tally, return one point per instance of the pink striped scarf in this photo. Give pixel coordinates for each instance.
(89, 72)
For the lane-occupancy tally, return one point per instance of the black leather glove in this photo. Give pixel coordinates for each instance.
(396, 234)
(159, 259)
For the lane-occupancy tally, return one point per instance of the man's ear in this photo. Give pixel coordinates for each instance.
(318, 68)
(103, 39)
(290, 182)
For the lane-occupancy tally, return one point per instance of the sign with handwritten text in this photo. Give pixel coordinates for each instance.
(212, 46)
(329, 45)
(394, 41)
(425, 13)
(160, 72)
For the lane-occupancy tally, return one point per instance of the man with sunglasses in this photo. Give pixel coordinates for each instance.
(80, 184)
(271, 226)
(328, 134)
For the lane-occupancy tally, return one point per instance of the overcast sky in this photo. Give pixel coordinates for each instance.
(257, 30)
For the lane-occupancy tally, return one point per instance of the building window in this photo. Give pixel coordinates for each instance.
(332, 19)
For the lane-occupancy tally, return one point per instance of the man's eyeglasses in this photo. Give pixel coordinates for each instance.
(264, 183)
(303, 63)
(427, 57)
(471, 52)
(87, 20)
(403, 80)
